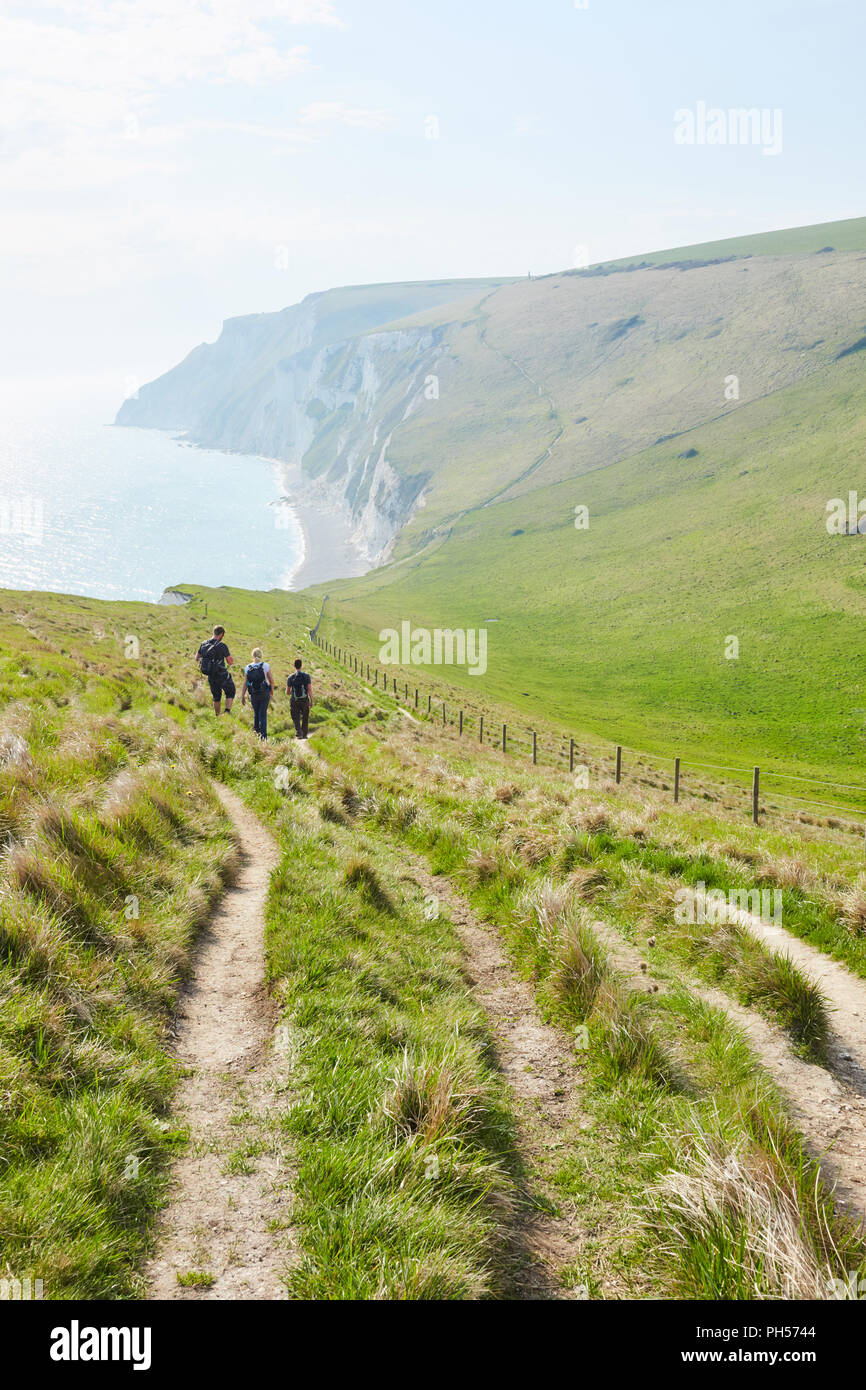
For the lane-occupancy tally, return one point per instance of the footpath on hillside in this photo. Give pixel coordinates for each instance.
(217, 1238)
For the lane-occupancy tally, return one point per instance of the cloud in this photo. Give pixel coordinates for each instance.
(94, 60)
(107, 106)
(75, 78)
(334, 112)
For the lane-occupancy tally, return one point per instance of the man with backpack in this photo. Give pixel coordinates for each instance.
(259, 685)
(214, 658)
(300, 687)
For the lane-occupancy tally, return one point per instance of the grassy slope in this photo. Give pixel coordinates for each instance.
(847, 235)
(392, 1201)
(403, 1072)
(620, 629)
(115, 849)
(663, 1077)
(623, 627)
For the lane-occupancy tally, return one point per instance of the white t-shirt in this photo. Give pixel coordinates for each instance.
(265, 667)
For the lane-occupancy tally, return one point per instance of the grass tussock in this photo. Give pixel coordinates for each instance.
(853, 907)
(361, 874)
(738, 1226)
(429, 1099)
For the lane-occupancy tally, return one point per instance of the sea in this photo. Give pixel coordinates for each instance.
(91, 508)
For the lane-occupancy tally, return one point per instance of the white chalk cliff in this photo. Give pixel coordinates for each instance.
(324, 386)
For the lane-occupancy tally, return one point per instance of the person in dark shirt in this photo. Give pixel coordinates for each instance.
(300, 687)
(214, 659)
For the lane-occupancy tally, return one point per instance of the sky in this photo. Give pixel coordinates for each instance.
(166, 164)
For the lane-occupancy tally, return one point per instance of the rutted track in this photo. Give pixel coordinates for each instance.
(538, 1064)
(231, 1184)
(828, 1106)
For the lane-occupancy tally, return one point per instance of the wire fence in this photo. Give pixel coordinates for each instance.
(545, 747)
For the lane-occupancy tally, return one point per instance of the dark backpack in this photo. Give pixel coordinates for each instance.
(257, 681)
(299, 684)
(207, 663)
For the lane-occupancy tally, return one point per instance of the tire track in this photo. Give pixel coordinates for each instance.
(229, 1189)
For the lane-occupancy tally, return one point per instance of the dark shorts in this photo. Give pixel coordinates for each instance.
(221, 683)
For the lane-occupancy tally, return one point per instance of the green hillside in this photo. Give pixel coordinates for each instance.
(707, 505)
(847, 235)
(501, 1065)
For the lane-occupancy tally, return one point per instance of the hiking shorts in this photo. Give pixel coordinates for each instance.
(221, 683)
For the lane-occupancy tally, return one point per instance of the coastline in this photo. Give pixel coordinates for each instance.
(329, 549)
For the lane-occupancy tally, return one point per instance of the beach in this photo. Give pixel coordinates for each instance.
(329, 552)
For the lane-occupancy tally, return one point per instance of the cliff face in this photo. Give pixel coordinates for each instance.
(321, 385)
(463, 394)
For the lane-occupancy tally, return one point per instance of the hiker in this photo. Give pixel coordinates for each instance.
(259, 684)
(214, 658)
(300, 687)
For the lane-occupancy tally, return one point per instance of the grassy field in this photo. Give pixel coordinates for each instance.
(621, 630)
(713, 529)
(678, 1161)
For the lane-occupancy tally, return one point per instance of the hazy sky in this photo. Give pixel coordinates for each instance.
(165, 164)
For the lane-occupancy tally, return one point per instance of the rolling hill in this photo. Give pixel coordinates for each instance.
(704, 404)
(494, 1060)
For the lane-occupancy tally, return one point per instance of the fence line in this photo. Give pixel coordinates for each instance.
(501, 737)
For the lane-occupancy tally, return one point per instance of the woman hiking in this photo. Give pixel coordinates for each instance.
(259, 685)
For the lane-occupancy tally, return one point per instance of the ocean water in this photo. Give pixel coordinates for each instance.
(116, 513)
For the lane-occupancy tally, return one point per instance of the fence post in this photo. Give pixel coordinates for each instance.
(395, 687)
(676, 779)
(407, 692)
(429, 703)
(504, 736)
(443, 711)
(460, 730)
(756, 787)
(416, 697)
(481, 728)
(571, 755)
(618, 762)
(376, 676)
(534, 746)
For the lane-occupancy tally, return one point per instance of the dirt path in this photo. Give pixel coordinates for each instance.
(828, 1108)
(537, 1062)
(230, 1186)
